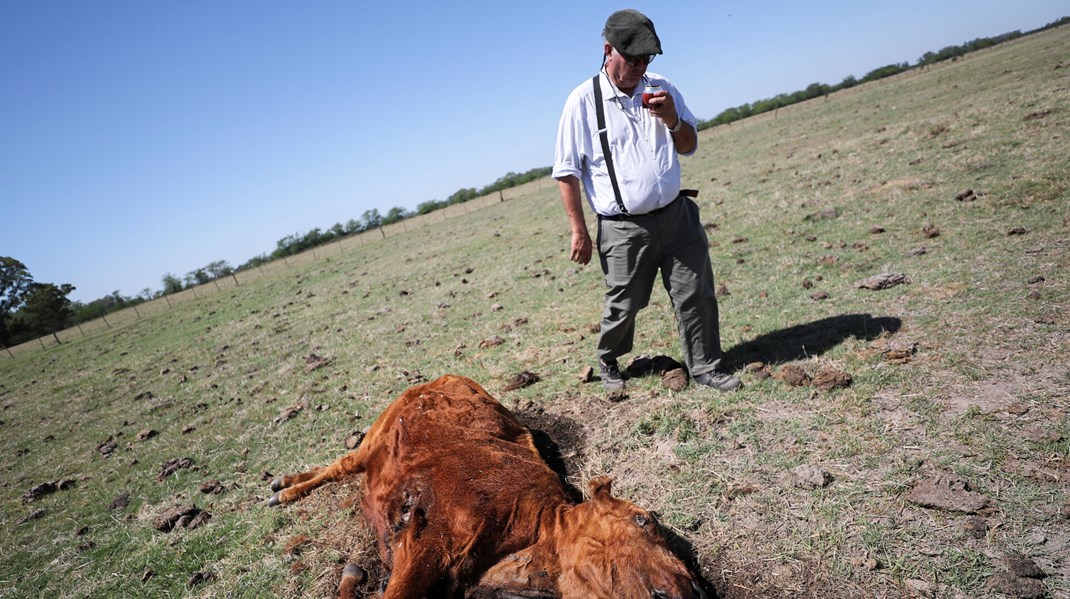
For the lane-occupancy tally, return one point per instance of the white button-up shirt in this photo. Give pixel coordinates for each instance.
(644, 157)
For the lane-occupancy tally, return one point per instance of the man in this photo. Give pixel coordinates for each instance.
(645, 223)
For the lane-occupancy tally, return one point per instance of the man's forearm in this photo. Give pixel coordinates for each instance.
(686, 139)
(569, 187)
(580, 247)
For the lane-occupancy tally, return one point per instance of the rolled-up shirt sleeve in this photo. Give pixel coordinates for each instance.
(571, 149)
(685, 114)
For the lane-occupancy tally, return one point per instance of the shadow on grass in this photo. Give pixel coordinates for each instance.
(551, 432)
(684, 550)
(808, 340)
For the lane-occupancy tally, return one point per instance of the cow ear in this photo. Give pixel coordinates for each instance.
(600, 486)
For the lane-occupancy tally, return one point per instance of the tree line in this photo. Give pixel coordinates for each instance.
(29, 309)
(373, 219)
(817, 90)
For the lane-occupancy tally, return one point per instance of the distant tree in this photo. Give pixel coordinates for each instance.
(312, 239)
(255, 261)
(394, 215)
(286, 246)
(816, 90)
(763, 106)
(462, 195)
(512, 179)
(430, 206)
(15, 285)
(98, 307)
(171, 284)
(371, 219)
(47, 308)
(353, 226)
(980, 44)
(197, 277)
(885, 71)
(219, 269)
(1053, 24)
(727, 115)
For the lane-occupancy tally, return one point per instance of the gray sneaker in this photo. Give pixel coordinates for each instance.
(611, 377)
(718, 380)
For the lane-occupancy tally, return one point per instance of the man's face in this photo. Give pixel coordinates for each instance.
(625, 71)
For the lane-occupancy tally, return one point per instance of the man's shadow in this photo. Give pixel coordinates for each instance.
(808, 340)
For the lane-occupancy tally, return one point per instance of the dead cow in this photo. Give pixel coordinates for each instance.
(462, 504)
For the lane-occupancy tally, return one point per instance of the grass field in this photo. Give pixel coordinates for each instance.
(937, 472)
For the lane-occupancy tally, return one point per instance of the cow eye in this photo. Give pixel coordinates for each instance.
(641, 520)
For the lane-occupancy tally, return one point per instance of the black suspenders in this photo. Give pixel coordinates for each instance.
(603, 133)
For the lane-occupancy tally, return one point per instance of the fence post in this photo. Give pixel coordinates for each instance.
(106, 323)
(235, 280)
(138, 314)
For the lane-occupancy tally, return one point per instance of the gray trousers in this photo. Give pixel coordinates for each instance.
(632, 251)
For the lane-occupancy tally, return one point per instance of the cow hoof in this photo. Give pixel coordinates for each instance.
(354, 573)
(274, 501)
(352, 577)
(277, 484)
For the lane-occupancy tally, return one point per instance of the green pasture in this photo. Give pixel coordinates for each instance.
(273, 375)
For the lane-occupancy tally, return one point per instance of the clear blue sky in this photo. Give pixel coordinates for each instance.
(139, 138)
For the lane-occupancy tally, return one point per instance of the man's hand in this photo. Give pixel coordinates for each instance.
(581, 247)
(581, 240)
(663, 106)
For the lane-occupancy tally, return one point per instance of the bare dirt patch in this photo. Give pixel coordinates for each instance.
(989, 397)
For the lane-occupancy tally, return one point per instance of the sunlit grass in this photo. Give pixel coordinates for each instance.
(811, 199)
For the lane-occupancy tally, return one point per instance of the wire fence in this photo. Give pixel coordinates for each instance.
(237, 279)
(351, 242)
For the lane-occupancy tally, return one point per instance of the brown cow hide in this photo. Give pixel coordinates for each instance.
(462, 505)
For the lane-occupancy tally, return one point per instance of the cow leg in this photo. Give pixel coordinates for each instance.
(352, 577)
(288, 480)
(295, 486)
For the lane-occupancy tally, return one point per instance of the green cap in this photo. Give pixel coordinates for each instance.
(631, 33)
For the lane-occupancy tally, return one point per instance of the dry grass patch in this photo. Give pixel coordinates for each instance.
(778, 490)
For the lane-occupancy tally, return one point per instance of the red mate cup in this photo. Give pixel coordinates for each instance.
(648, 92)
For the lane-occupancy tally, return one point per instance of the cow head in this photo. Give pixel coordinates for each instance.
(612, 548)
